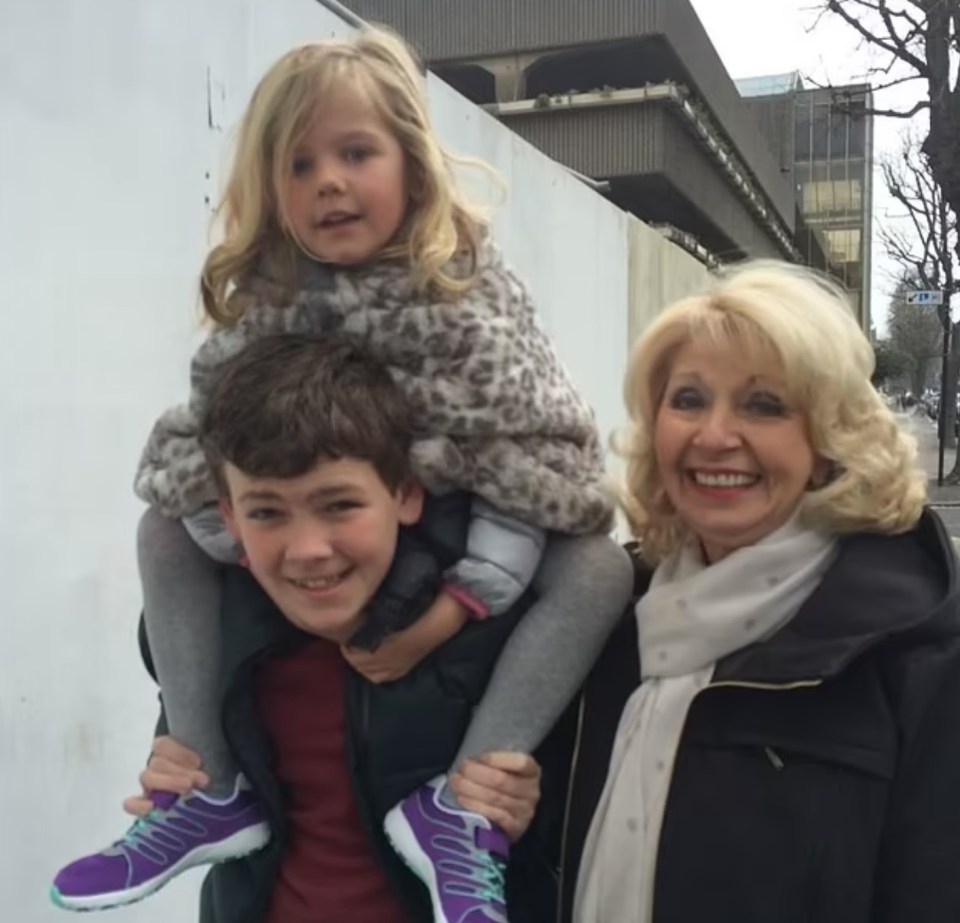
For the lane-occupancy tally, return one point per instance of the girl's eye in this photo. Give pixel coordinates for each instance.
(357, 154)
(301, 166)
(765, 404)
(686, 399)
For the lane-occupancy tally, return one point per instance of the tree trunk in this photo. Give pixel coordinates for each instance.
(941, 147)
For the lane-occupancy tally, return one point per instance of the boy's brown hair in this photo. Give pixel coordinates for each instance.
(286, 402)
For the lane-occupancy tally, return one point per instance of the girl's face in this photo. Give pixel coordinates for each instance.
(733, 454)
(346, 195)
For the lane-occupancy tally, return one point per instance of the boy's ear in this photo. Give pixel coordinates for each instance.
(229, 517)
(410, 496)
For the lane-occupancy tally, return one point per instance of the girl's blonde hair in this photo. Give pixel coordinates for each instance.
(763, 311)
(376, 63)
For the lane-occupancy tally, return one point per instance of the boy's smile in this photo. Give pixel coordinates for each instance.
(320, 543)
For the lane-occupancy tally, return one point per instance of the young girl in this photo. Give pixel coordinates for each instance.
(341, 215)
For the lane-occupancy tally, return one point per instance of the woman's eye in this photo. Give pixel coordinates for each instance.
(766, 405)
(686, 399)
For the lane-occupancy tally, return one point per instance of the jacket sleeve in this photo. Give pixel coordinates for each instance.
(918, 872)
(503, 555)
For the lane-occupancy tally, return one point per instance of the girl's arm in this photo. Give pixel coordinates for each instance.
(503, 554)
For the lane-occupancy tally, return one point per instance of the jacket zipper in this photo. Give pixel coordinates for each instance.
(767, 687)
(564, 831)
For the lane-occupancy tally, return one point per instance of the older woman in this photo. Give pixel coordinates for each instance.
(786, 746)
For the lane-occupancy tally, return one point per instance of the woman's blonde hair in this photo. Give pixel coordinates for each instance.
(376, 63)
(765, 311)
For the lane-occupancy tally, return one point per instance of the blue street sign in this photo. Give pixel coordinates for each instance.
(926, 297)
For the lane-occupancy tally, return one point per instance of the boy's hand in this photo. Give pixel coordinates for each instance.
(503, 787)
(171, 768)
(402, 651)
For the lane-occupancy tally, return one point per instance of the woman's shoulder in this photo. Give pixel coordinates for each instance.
(909, 586)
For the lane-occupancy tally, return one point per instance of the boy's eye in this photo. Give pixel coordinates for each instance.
(301, 165)
(342, 506)
(262, 514)
(686, 399)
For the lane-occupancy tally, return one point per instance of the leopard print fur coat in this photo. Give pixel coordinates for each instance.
(495, 411)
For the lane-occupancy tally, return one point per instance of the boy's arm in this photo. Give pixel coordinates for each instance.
(171, 768)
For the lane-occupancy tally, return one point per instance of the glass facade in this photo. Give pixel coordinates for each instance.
(770, 84)
(833, 155)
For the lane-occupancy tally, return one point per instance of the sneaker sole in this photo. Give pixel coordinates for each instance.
(405, 845)
(243, 843)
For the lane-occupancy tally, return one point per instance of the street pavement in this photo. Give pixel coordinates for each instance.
(945, 500)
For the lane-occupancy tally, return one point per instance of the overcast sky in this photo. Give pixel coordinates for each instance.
(772, 36)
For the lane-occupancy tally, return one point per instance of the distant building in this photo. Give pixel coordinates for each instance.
(627, 92)
(826, 137)
(632, 94)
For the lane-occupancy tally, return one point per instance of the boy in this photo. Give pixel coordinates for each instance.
(310, 440)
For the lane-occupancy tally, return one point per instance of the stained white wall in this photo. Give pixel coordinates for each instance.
(660, 274)
(115, 116)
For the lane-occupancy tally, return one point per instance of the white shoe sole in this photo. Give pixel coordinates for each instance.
(404, 842)
(242, 843)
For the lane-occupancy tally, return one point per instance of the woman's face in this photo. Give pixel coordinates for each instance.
(733, 455)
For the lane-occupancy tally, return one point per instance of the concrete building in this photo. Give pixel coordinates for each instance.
(630, 93)
(824, 138)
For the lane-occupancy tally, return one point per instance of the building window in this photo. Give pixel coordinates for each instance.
(832, 197)
(858, 129)
(821, 133)
(843, 245)
(838, 134)
(802, 136)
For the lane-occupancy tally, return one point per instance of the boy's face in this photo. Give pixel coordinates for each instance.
(320, 544)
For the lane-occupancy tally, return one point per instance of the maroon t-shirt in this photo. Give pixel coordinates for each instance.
(329, 873)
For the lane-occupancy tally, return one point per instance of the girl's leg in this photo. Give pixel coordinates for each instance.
(181, 589)
(584, 584)
(181, 609)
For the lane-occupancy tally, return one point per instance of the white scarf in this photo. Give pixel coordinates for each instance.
(691, 617)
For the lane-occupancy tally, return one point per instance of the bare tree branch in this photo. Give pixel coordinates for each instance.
(877, 87)
(892, 43)
(928, 250)
(901, 114)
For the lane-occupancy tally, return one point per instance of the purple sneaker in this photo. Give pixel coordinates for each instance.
(460, 856)
(179, 833)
